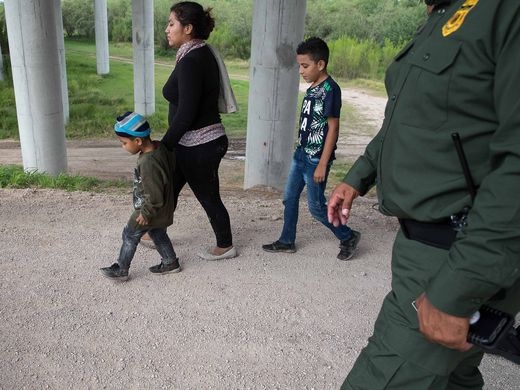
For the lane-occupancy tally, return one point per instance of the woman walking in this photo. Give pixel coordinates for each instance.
(195, 129)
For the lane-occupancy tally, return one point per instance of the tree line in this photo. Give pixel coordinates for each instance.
(363, 35)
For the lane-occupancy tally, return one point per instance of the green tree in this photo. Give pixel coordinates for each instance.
(78, 18)
(372, 20)
(233, 25)
(119, 16)
(396, 23)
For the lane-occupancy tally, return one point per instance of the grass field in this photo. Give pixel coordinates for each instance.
(13, 176)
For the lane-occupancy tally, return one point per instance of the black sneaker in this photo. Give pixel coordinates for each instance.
(348, 247)
(115, 272)
(278, 246)
(163, 268)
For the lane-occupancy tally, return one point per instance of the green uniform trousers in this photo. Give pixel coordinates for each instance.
(397, 355)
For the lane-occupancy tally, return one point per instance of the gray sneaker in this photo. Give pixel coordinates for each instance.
(348, 247)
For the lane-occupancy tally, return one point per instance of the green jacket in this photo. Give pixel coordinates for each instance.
(153, 188)
(460, 73)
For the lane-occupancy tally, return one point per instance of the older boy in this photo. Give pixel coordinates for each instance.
(152, 197)
(314, 154)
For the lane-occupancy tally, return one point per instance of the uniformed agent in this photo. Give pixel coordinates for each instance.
(459, 76)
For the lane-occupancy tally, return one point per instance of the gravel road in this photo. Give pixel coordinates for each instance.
(259, 321)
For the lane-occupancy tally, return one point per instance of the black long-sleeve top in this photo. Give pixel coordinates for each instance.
(192, 91)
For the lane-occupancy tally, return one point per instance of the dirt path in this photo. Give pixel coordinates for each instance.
(259, 321)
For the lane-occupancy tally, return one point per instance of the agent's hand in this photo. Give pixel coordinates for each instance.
(141, 220)
(340, 203)
(442, 328)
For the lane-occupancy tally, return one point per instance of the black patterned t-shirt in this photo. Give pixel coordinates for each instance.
(321, 102)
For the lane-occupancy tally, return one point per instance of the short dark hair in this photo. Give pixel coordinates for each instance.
(315, 48)
(190, 12)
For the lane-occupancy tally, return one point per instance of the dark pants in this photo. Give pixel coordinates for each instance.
(198, 166)
(131, 238)
(397, 355)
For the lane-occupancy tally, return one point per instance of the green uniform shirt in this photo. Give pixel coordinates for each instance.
(153, 188)
(460, 73)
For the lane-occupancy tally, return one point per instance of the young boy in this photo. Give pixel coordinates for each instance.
(152, 197)
(317, 136)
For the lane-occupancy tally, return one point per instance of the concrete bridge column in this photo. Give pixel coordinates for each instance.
(63, 63)
(273, 91)
(101, 27)
(37, 84)
(143, 44)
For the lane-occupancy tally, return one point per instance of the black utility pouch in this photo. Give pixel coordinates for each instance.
(491, 328)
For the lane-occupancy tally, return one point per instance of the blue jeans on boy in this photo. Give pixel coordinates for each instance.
(131, 238)
(301, 174)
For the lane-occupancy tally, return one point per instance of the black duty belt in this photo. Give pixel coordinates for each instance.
(438, 234)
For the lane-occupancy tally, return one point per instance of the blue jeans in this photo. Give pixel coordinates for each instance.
(131, 238)
(301, 173)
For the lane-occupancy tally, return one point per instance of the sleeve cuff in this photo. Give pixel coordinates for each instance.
(361, 176)
(456, 295)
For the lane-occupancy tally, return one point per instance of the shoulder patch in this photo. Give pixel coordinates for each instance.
(454, 23)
